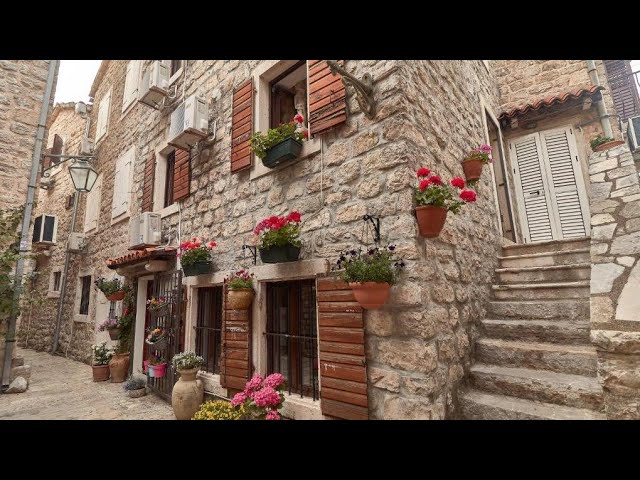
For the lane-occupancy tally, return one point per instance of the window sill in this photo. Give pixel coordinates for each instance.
(211, 382)
(309, 147)
(301, 408)
(53, 294)
(176, 76)
(81, 318)
(129, 107)
(168, 211)
(120, 218)
(98, 141)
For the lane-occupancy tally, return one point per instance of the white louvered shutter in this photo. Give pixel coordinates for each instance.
(131, 83)
(93, 207)
(103, 116)
(121, 187)
(534, 189)
(564, 178)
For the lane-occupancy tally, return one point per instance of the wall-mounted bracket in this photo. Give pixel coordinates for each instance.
(46, 172)
(375, 223)
(363, 88)
(253, 251)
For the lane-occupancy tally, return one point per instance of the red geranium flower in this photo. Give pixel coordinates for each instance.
(298, 118)
(436, 180)
(468, 196)
(423, 172)
(457, 182)
(305, 134)
(424, 184)
(294, 217)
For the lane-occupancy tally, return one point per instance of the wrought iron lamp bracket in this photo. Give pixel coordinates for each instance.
(252, 251)
(46, 172)
(363, 88)
(375, 223)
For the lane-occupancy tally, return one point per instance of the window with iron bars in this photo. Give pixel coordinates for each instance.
(292, 339)
(208, 327)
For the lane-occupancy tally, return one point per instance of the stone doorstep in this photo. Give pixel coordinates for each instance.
(564, 309)
(539, 291)
(550, 246)
(544, 274)
(566, 257)
(547, 331)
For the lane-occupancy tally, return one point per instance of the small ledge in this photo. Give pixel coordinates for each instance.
(301, 408)
(52, 294)
(168, 211)
(120, 218)
(81, 318)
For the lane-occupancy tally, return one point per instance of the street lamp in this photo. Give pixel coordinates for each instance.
(83, 176)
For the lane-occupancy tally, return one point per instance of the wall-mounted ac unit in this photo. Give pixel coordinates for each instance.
(47, 182)
(45, 229)
(86, 146)
(144, 230)
(633, 133)
(77, 242)
(154, 85)
(189, 123)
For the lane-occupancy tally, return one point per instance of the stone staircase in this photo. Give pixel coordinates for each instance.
(534, 359)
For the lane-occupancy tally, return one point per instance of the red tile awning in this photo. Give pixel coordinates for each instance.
(138, 256)
(551, 100)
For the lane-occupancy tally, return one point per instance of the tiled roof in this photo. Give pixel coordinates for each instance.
(137, 256)
(551, 100)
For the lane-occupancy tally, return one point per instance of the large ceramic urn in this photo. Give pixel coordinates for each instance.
(187, 394)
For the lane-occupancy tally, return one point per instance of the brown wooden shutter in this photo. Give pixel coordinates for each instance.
(242, 127)
(181, 175)
(46, 161)
(623, 88)
(235, 360)
(343, 371)
(58, 144)
(149, 178)
(327, 98)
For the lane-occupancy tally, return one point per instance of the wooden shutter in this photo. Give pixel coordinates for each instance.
(327, 98)
(122, 184)
(92, 210)
(235, 360)
(343, 371)
(46, 160)
(103, 116)
(149, 178)
(131, 83)
(58, 145)
(242, 127)
(181, 175)
(534, 191)
(623, 88)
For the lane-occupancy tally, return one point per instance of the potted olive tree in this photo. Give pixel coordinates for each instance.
(281, 143)
(196, 257)
(279, 238)
(240, 290)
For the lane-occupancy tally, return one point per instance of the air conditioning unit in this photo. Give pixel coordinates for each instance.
(86, 146)
(154, 85)
(47, 182)
(77, 242)
(633, 133)
(189, 123)
(144, 230)
(45, 229)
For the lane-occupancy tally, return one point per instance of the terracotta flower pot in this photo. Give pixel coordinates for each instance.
(187, 394)
(431, 220)
(114, 297)
(472, 169)
(100, 373)
(370, 295)
(114, 333)
(607, 145)
(240, 298)
(119, 367)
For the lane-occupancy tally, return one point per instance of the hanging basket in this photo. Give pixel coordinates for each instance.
(370, 295)
(607, 145)
(160, 343)
(198, 268)
(114, 333)
(116, 296)
(160, 310)
(279, 254)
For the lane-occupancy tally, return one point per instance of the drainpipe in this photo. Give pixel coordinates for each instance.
(26, 221)
(602, 108)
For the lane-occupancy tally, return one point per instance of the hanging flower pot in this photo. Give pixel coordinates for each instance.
(114, 333)
(145, 366)
(159, 371)
(279, 238)
(198, 268)
(280, 144)
(473, 162)
(607, 145)
(431, 220)
(279, 254)
(157, 338)
(196, 257)
(370, 295)
(114, 297)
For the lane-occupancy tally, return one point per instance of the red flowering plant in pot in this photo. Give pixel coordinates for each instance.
(261, 398)
(196, 257)
(280, 144)
(435, 199)
(474, 160)
(279, 238)
(239, 289)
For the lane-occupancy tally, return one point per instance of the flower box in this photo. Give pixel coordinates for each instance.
(279, 254)
(198, 268)
(607, 145)
(288, 149)
(114, 333)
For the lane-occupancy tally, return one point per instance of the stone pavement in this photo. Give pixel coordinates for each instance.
(62, 389)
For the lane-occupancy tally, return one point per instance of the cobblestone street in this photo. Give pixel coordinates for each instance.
(62, 389)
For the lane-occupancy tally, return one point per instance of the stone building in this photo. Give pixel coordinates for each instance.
(479, 325)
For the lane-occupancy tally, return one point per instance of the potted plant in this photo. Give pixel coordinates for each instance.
(114, 290)
(136, 386)
(159, 306)
(278, 237)
(240, 293)
(261, 398)
(188, 392)
(474, 160)
(157, 366)
(195, 257)
(602, 143)
(281, 143)
(156, 337)
(112, 326)
(100, 364)
(370, 273)
(119, 364)
(435, 199)
(219, 410)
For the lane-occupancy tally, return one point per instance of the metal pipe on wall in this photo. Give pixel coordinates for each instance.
(602, 108)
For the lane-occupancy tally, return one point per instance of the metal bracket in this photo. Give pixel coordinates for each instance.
(46, 172)
(363, 88)
(253, 251)
(375, 222)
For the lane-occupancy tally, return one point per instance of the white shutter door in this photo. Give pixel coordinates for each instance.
(533, 189)
(131, 83)
(116, 203)
(125, 179)
(103, 116)
(565, 178)
(93, 207)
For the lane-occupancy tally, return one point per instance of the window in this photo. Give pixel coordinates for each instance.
(103, 116)
(57, 277)
(175, 66)
(92, 211)
(45, 229)
(131, 83)
(122, 185)
(168, 181)
(292, 341)
(84, 296)
(288, 95)
(209, 327)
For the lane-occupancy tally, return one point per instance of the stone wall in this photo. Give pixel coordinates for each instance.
(615, 279)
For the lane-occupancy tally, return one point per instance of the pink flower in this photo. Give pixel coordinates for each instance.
(457, 182)
(239, 399)
(423, 172)
(254, 384)
(468, 196)
(274, 380)
(298, 118)
(436, 180)
(211, 244)
(424, 184)
(266, 397)
(272, 415)
(485, 148)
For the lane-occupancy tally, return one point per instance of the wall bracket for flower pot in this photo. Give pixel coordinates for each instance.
(375, 223)
(253, 251)
(363, 88)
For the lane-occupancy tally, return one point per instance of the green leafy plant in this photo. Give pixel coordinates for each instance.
(187, 360)
(482, 153)
(109, 287)
(101, 354)
(372, 265)
(261, 143)
(156, 359)
(431, 190)
(9, 242)
(279, 231)
(195, 251)
(126, 322)
(219, 410)
(240, 279)
(599, 140)
(135, 383)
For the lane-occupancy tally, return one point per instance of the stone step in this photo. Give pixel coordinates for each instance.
(539, 385)
(551, 273)
(566, 257)
(540, 291)
(476, 405)
(567, 309)
(561, 358)
(548, 246)
(549, 331)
